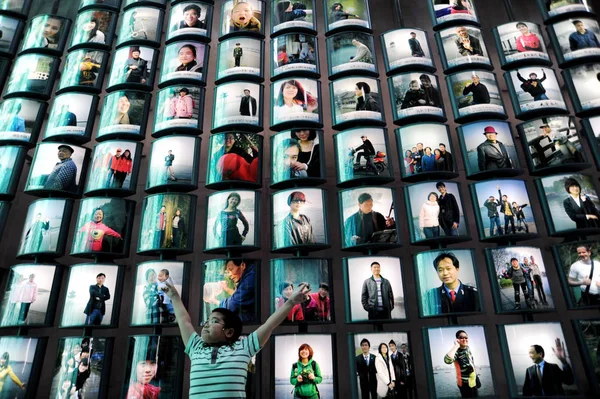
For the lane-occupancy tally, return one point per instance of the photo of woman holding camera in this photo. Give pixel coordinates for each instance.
(305, 374)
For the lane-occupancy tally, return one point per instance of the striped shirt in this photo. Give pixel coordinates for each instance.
(220, 371)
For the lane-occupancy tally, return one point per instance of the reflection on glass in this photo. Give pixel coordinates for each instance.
(18, 352)
(44, 31)
(10, 157)
(81, 69)
(42, 226)
(112, 165)
(164, 222)
(30, 73)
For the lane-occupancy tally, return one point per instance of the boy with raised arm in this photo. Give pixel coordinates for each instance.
(219, 359)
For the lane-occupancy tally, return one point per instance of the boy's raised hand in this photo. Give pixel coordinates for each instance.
(169, 290)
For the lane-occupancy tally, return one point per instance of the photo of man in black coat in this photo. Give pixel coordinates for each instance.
(449, 217)
(248, 104)
(96, 306)
(492, 154)
(479, 91)
(547, 379)
(365, 368)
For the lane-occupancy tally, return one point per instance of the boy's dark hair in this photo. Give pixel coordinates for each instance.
(230, 320)
(101, 274)
(440, 184)
(164, 271)
(362, 341)
(392, 342)
(539, 350)
(511, 259)
(445, 255)
(193, 7)
(460, 332)
(325, 286)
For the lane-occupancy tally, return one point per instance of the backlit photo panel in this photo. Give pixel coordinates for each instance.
(21, 120)
(520, 42)
(292, 376)
(462, 47)
(114, 167)
(351, 52)
(534, 90)
(180, 109)
(436, 212)
(12, 159)
(22, 358)
(239, 17)
(519, 279)
(361, 155)
(570, 203)
(133, 67)
(447, 282)
(299, 220)
(294, 54)
(71, 117)
(555, 9)
(406, 49)
(152, 306)
(416, 96)
(173, 163)
(296, 101)
(583, 82)
(361, 275)
(191, 20)
(575, 39)
(238, 104)
(84, 71)
(141, 25)
(374, 203)
(234, 158)
(351, 14)
(475, 94)
(525, 347)
(184, 61)
(552, 143)
(124, 115)
(297, 156)
(580, 282)
(19, 8)
(488, 149)
(289, 15)
(45, 228)
(588, 336)
(29, 298)
(240, 57)
(451, 12)
(93, 296)
(45, 34)
(289, 275)
(231, 284)
(356, 99)
(458, 361)
(503, 210)
(93, 29)
(12, 29)
(32, 75)
(232, 218)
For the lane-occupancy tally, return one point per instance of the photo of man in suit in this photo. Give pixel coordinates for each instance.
(453, 296)
(449, 217)
(365, 368)
(96, 306)
(377, 296)
(409, 374)
(492, 154)
(403, 370)
(547, 379)
(248, 104)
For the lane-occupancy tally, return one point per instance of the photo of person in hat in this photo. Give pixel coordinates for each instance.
(492, 154)
(88, 70)
(64, 173)
(136, 68)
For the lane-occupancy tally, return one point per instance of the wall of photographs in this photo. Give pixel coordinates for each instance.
(443, 153)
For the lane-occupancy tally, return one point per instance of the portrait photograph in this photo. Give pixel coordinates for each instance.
(475, 94)
(555, 8)
(368, 356)
(192, 20)
(103, 227)
(112, 4)
(348, 14)
(519, 279)
(240, 57)
(141, 25)
(173, 163)
(114, 167)
(488, 149)
(242, 18)
(436, 212)
(20, 359)
(231, 284)
(356, 98)
(84, 71)
(351, 52)
(591, 127)
(416, 96)
(303, 365)
(296, 102)
(45, 228)
(503, 207)
(432, 158)
(179, 108)
(458, 361)
(375, 204)
(299, 220)
(234, 158)
(124, 114)
(288, 275)
(45, 33)
(583, 82)
(578, 272)
(536, 360)
(552, 143)
(447, 283)
(232, 220)
(588, 333)
(167, 224)
(71, 117)
(363, 274)
(12, 29)
(32, 75)
(184, 61)
(361, 154)
(292, 15)
(296, 154)
(93, 295)
(30, 295)
(534, 89)
(238, 104)
(520, 42)
(152, 306)
(12, 159)
(18, 7)
(575, 39)
(294, 53)
(21, 120)
(445, 12)
(81, 367)
(462, 47)
(133, 67)
(406, 49)
(93, 29)
(570, 203)
(154, 367)
(57, 168)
